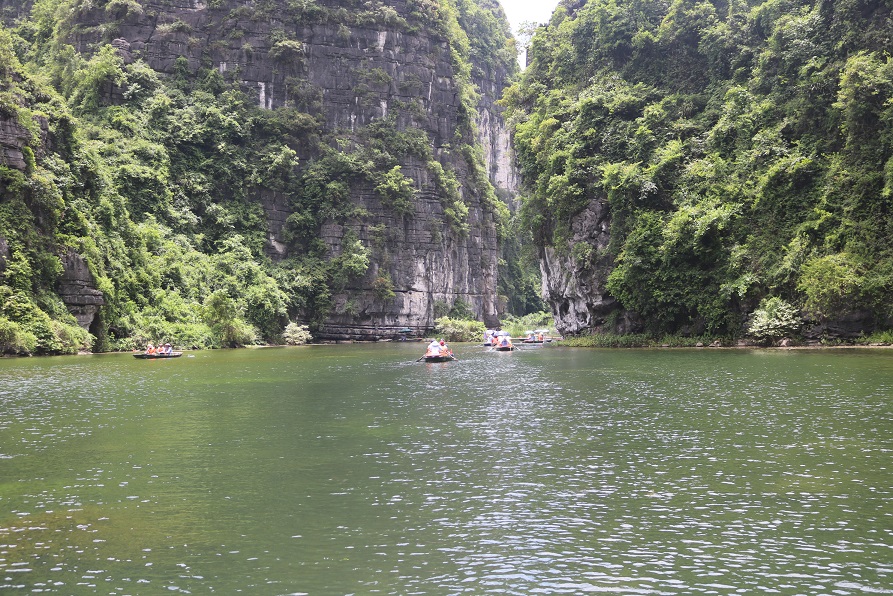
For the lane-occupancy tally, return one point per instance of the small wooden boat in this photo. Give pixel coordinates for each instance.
(535, 337)
(439, 358)
(505, 348)
(145, 356)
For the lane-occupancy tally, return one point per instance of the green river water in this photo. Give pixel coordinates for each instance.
(355, 470)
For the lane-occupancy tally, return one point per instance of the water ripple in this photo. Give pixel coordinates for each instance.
(358, 470)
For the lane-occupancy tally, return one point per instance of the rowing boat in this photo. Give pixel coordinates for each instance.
(440, 358)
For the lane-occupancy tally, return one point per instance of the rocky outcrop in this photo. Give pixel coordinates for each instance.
(574, 280)
(12, 11)
(77, 289)
(13, 140)
(4, 254)
(849, 327)
(351, 70)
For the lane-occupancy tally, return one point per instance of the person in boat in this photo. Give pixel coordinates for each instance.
(505, 342)
(445, 349)
(150, 349)
(433, 348)
(168, 349)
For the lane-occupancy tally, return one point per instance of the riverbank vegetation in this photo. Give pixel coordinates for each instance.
(456, 330)
(644, 340)
(462, 326)
(743, 150)
(518, 326)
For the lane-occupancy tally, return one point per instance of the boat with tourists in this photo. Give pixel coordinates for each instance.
(536, 337)
(437, 351)
(146, 356)
(503, 342)
(162, 351)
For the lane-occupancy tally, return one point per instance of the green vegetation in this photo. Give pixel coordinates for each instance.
(457, 322)
(459, 329)
(518, 326)
(296, 334)
(156, 179)
(610, 340)
(773, 320)
(641, 340)
(743, 149)
(880, 337)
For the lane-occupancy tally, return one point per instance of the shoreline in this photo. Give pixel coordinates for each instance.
(555, 343)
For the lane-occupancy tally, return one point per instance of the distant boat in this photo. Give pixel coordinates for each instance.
(145, 356)
(536, 337)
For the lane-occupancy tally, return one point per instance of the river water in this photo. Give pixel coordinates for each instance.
(355, 470)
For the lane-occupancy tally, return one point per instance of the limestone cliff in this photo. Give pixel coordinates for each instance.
(685, 173)
(349, 64)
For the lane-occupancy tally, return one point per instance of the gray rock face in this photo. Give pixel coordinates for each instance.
(574, 280)
(850, 326)
(77, 289)
(494, 135)
(432, 266)
(392, 67)
(4, 254)
(13, 139)
(13, 10)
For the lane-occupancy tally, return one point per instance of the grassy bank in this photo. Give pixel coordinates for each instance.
(609, 340)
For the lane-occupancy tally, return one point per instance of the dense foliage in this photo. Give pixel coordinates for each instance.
(155, 180)
(744, 149)
(519, 326)
(774, 319)
(453, 330)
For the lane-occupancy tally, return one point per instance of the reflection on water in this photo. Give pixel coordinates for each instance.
(354, 469)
